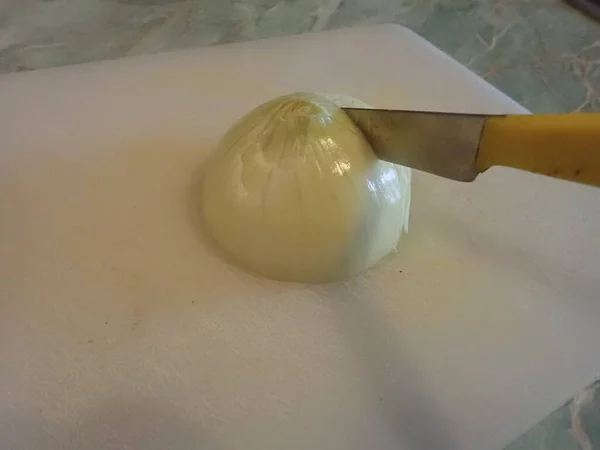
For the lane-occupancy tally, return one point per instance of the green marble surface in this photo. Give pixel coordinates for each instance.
(574, 426)
(540, 52)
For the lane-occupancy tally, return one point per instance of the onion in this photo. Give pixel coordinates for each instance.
(295, 192)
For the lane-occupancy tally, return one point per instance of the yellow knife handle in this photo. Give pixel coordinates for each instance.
(563, 146)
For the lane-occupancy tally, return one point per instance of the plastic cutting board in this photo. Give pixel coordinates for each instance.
(120, 329)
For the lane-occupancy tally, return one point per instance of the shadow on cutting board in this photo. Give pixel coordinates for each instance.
(409, 412)
(116, 425)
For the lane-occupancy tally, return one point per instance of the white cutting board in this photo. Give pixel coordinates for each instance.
(120, 329)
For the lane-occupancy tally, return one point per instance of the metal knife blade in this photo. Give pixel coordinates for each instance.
(444, 144)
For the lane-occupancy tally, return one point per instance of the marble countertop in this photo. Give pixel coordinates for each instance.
(540, 52)
(574, 426)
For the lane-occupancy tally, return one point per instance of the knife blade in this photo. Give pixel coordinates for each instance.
(461, 146)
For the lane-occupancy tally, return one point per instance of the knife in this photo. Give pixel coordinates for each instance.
(461, 146)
